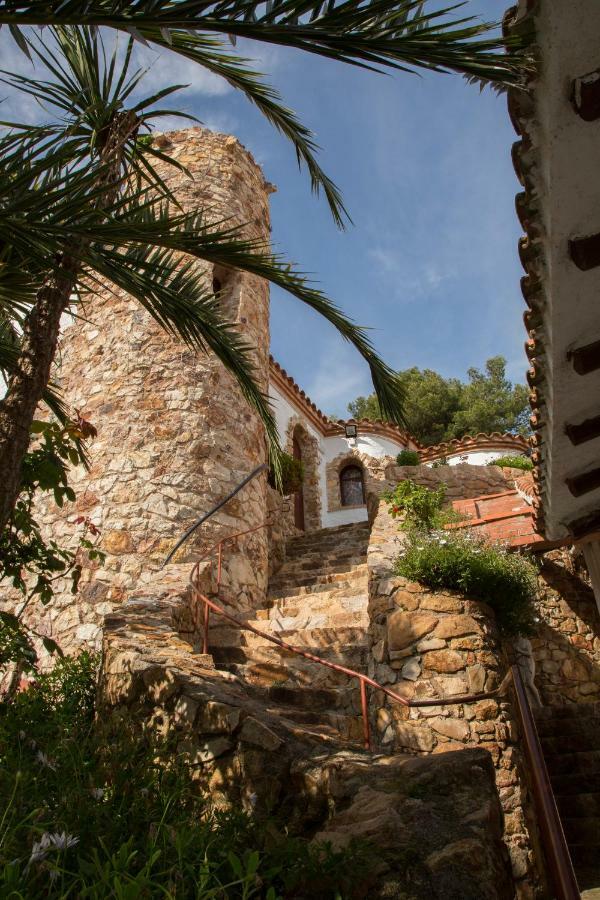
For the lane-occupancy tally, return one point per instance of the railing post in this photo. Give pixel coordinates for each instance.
(365, 713)
(220, 559)
(206, 623)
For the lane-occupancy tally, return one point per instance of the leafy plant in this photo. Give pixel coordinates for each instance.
(407, 458)
(438, 409)
(513, 462)
(292, 475)
(92, 808)
(82, 203)
(31, 561)
(422, 508)
(461, 561)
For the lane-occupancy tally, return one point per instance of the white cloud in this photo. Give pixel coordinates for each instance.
(338, 377)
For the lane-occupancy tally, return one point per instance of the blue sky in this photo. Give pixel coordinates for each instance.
(431, 262)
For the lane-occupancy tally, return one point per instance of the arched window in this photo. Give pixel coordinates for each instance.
(352, 488)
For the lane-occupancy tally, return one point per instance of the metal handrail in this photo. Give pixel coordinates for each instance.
(553, 837)
(202, 519)
(363, 679)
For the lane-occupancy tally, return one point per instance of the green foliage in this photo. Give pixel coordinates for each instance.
(26, 557)
(292, 475)
(513, 462)
(32, 562)
(439, 409)
(422, 508)
(94, 809)
(407, 458)
(490, 402)
(460, 561)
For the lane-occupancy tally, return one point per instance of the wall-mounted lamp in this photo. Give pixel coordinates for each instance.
(351, 431)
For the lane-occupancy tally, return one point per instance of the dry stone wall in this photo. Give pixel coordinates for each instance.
(174, 432)
(566, 646)
(428, 645)
(435, 822)
(461, 481)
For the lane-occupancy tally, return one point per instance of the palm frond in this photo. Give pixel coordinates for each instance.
(174, 293)
(399, 34)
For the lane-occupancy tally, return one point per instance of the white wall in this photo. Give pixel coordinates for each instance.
(476, 457)
(330, 448)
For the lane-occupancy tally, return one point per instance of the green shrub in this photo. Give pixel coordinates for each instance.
(93, 809)
(292, 475)
(460, 561)
(423, 509)
(442, 461)
(407, 458)
(513, 462)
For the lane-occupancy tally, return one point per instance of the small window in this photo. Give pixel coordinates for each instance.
(352, 487)
(217, 286)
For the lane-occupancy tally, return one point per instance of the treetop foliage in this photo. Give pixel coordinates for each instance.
(440, 409)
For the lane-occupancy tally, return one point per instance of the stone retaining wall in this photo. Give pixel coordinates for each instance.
(566, 646)
(462, 481)
(428, 645)
(435, 822)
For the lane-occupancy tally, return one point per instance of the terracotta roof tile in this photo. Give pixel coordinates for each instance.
(507, 517)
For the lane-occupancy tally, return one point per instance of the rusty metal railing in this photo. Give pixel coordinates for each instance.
(364, 680)
(554, 842)
(553, 838)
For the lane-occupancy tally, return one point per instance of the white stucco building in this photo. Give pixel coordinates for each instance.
(341, 458)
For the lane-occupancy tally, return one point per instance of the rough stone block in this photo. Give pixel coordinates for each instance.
(405, 629)
(443, 661)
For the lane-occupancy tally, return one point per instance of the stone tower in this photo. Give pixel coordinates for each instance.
(174, 432)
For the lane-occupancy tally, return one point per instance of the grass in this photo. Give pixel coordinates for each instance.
(92, 809)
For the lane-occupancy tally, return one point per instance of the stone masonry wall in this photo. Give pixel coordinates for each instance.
(436, 822)
(462, 481)
(174, 432)
(566, 646)
(429, 644)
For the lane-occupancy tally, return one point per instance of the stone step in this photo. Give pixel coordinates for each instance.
(570, 726)
(569, 710)
(352, 599)
(584, 762)
(588, 878)
(316, 577)
(332, 551)
(297, 550)
(348, 728)
(331, 636)
(271, 665)
(579, 805)
(302, 565)
(356, 580)
(570, 743)
(571, 784)
(303, 697)
(584, 855)
(582, 830)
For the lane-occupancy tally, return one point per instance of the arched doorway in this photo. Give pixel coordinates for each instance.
(299, 495)
(352, 486)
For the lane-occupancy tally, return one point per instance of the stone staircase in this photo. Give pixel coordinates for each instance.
(570, 737)
(317, 601)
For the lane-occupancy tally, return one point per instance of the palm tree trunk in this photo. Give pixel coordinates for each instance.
(25, 388)
(42, 327)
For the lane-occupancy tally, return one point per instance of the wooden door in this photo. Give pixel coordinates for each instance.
(299, 495)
